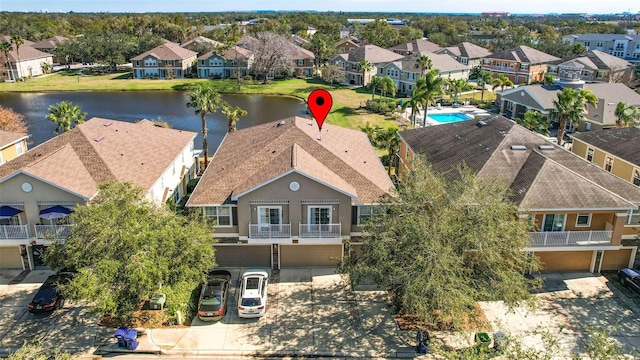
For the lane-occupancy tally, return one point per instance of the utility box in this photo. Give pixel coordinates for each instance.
(157, 301)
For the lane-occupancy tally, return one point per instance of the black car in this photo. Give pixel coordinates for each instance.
(630, 278)
(49, 298)
(213, 296)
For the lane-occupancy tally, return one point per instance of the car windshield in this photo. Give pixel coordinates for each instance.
(251, 302)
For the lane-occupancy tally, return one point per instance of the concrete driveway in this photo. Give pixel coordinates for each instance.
(570, 305)
(310, 311)
(71, 328)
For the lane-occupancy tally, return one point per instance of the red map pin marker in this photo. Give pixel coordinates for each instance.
(320, 102)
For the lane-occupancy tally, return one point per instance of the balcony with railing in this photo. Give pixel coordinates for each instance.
(320, 231)
(14, 232)
(571, 238)
(53, 232)
(271, 231)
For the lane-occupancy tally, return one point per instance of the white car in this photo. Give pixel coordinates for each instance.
(252, 301)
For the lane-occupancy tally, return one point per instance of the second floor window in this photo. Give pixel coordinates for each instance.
(221, 215)
(365, 212)
(590, 154)
(608, 164)
(19, 148)
(636, 177)
(583, 220)
(300, 62)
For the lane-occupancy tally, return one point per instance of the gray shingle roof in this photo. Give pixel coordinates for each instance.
(418, 45)
(538, 179)
(248, 158)
(467, 50)
(623, 142)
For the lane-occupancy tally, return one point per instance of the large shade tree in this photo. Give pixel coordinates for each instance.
(65, 115)
(11, 121)
(125, 249)
(571, 107)
(444, 244)
(271, 53)
(206, 100)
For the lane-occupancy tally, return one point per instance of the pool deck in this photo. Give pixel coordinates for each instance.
(468, 110)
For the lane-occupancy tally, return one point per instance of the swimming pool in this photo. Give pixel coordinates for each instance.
(449, 118)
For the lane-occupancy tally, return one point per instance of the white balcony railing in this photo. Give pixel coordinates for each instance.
(563, 238)
(320, 231)
(14, 232)
(53, 231)
(272, 231)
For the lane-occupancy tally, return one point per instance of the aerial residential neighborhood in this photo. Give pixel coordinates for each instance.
(217, 182)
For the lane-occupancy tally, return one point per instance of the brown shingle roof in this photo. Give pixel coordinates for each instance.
(623, 142)
(418, 45)
(100, 150)
(200, 40)
(49, 43)
(468, 50)
(8, 138)
(526, 55)
(538, 179)
(441, 62)
(373, 54)
(167, 51)
(342, 159)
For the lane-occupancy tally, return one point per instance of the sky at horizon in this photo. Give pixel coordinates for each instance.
(428, 6)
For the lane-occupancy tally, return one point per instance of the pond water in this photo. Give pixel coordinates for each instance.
(168, 106)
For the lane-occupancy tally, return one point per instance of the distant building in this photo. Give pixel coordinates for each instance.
(623, 46)
(496, 14)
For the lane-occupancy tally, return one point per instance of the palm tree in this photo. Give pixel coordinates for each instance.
(375, 84)
(423, 63)
(365, 67)
(414, 104)
(484, 78)
(233, 114)
(501, 82)
(534, 121)
(388, 86)
(371, 132)
(17, 40)
(571, 106)
(206, 100)
(426, 91)
(456, 87)
(6, 47)
(388, 138)
(627, 115)
(66, 116)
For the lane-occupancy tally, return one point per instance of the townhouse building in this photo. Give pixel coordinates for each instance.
(466, 53)
(225, 64)
(376, 56)
(624, 46)
(594, 66)
(23, 64)
(12, 145)
(522, 65)
(166, 61)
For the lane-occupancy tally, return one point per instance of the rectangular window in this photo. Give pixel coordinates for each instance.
(583, 220)
(553, 222)
(366, 212)
(19, 148)
(300, 62)
(590, 154)
(221, 215)
(608, 164)
(636, 177)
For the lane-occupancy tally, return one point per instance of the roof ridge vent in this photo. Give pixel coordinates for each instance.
(107, 123)
(98, 138)
(518, 147)
(546, 147)
(481, 123)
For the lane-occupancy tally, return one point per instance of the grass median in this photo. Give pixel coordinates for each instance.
(347, 110)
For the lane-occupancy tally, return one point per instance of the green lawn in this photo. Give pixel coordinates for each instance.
(346, 111)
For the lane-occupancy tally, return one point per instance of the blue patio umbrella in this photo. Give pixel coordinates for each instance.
(7, 212)
(55, 212)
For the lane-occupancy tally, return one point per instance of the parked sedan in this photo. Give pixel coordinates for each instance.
(630, 278)
(252, 301)
(49, 298)
(213, 296)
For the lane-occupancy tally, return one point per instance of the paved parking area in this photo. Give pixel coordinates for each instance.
(71, 328)
(309, 311)
(571, 304)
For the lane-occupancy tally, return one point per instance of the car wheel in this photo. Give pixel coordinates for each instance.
(623, 281)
